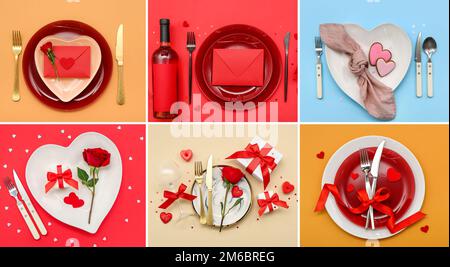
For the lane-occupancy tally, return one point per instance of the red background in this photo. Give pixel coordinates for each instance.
(130, 203)
(275, 17)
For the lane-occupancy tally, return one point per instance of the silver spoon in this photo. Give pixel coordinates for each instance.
(430, 47)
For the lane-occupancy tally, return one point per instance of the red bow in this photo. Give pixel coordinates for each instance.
(269, 202)
(60, 177)
(381, 195)
(260, 158)
(171, 196)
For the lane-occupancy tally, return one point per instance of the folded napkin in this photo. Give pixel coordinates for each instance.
(238, 67)
(378, 98)
(71, 62)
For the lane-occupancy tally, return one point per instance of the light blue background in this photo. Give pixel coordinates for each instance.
(428, 16)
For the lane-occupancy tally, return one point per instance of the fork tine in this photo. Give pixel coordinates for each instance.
(20, 37)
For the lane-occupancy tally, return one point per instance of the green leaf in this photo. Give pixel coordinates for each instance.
(90, 183)
(238, 202)
(82, 174)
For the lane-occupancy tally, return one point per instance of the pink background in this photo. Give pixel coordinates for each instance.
(275, 17)
(125, 223)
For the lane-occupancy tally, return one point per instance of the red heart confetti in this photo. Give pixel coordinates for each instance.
(67, 63)
(185, 24)
(350, 188)
(287, 187)
(165, 217)
(236, 191)
(425, 228)
(354, 175)
(186, 154)
(320, 155)
(73, 200)
(393, 175)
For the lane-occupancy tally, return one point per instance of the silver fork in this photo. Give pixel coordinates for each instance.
(365, 167)
(199, 180)
(190, 47)
(17, 50)
(15, 194)
(319, 51)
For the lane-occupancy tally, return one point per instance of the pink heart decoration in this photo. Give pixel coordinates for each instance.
(376, 52)
(384, 68)
(186, 154)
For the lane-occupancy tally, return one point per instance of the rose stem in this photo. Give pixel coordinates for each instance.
(224, 208)
(93, 195)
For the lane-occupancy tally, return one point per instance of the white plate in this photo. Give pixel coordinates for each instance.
(391, 37)
(336, 161)
(47, 157)
(67, 89)
(237, 213)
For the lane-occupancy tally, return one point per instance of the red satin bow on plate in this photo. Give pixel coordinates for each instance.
(260, 158)
(381, 195)
(269, 202)
(171, 196)
(60, 177)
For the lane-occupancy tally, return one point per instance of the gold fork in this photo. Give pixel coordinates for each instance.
(199, 179)
(17, 50)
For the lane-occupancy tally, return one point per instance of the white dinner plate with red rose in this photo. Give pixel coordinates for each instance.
(392, 38)
(46, 158)
(407, 191)
(237, 213)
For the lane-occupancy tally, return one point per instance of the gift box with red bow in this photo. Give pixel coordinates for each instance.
(259, 158)
(61, 179)
(269, 201)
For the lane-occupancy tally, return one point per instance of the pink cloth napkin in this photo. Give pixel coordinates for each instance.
(378, 98)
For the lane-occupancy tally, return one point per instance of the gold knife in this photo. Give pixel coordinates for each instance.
(209, 186)
(119, 58)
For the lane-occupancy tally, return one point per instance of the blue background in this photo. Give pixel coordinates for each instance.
(428, 16)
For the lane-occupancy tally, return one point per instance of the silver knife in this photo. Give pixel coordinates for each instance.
(119, 58)
(287, 37)
(29, 205)
(374, 172)
(418, 59)
(209, 186)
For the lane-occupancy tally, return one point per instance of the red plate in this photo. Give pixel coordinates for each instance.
(235, 37)
(37, 85)
(401, 190)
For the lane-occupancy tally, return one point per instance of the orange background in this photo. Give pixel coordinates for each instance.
(429, 143)
(28, 16)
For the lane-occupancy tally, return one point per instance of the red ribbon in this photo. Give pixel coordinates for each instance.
(260, 158)
(60, 177)
(269, 202)
(171, 196)
(381, 195)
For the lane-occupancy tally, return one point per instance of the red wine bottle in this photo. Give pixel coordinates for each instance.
(164, 75)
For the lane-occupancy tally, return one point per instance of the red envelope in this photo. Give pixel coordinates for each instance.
(71, 62)
(238, 67)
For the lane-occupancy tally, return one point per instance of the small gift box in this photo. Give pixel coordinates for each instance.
(61, 179)
(259, 158)
(269, 201)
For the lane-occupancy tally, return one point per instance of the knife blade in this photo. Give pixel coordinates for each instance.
(29, 205)
(418, 59)
(119, 58)
(287, 37)
(209, 186)
(376, 163)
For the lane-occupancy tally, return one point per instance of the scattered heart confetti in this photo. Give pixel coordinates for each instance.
(26, 150)
(185, 24)
(119, 127)
(49, 224)
(6, 207)
(8, 225)
(69, 136)
(350, 188)
(130, 188)
(138, 201)
(18, 231)
(320, 155)
(10, 150)
(186, 154)
(393, 175)
(73, 200)
(287, 187)
(62, 131)
(130, 158)
(126, 220)
(72, 242)
(39, 136)
(354, 175)
(165, 217)
(94, 245)
(5, 166)
(236, 191)
(425, 228)
(55, 239)
(104, 238)
(13, 136)
(141, 138)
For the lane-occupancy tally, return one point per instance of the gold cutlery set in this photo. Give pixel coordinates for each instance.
(17, 51)
(208, 180)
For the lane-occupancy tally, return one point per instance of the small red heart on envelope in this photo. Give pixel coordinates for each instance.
(67, 63)
(320, 155)
(287, 187)
(186, 154)
(393, 175)
(165, 217)
(72, 199)
(236, 191)
(425, 228)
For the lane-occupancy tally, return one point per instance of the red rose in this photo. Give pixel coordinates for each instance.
(232, 175)
(96, 157)
(46, 47)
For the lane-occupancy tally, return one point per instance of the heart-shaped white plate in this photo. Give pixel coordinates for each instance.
(391, 37)
(67, 89)
(47, 157)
